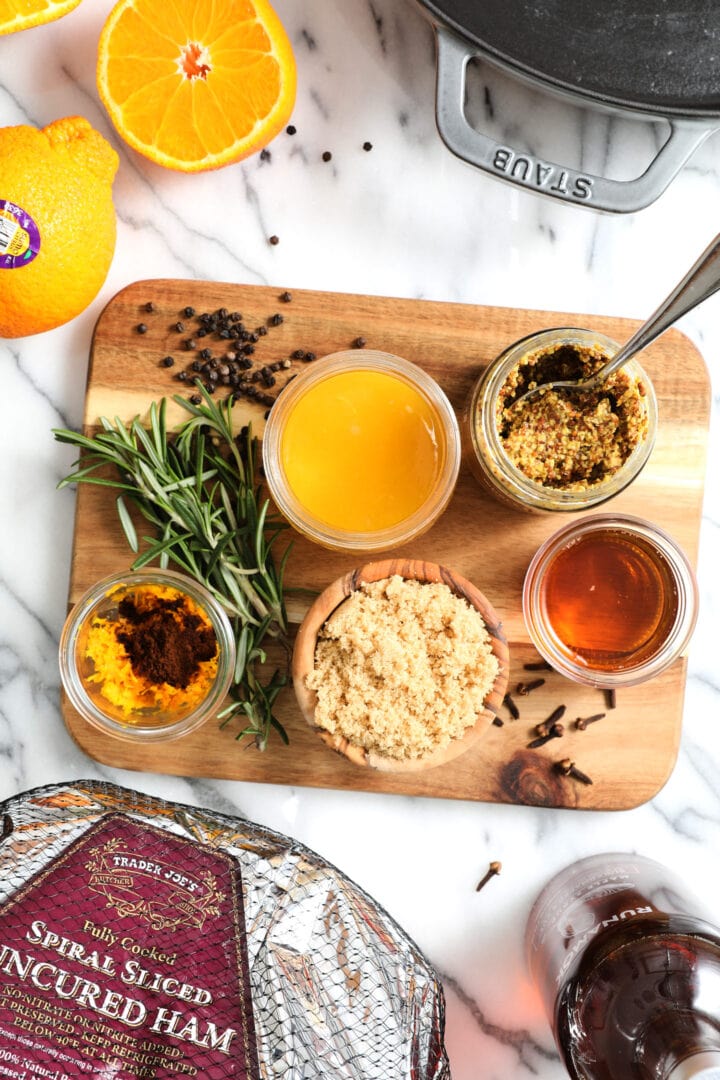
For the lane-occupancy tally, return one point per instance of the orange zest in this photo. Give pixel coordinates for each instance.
(22, 14)
(196, 84)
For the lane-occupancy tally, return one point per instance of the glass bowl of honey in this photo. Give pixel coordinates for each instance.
(362, 451)
(147, 655)
(560, 450)
(610, 600)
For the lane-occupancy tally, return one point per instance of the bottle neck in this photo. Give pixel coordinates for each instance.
(703, 1066)
(683, 1045)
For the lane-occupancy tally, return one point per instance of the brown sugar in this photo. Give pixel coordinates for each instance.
(402, 668)
(564, 439)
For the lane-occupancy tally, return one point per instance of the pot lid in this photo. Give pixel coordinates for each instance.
(654, 55)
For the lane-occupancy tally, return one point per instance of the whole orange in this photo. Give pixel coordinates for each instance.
(57, 223)
(196, 84)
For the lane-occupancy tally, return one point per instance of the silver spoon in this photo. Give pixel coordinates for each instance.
(700, 282)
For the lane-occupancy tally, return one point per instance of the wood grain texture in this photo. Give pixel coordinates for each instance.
(629, 754)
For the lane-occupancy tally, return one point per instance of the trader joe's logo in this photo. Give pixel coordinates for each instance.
(150, 888)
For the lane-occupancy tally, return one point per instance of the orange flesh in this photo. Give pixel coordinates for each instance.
(362, 451)
(196, 84)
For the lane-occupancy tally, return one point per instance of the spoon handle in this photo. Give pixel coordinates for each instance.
(700, 282)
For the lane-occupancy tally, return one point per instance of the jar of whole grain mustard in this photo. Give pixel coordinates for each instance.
(560, 451)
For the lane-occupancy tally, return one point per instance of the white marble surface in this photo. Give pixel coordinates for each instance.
(406, 219)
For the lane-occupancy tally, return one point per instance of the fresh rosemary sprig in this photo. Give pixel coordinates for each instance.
(199, 491)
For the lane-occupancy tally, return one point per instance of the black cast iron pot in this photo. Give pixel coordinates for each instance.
(657, 59)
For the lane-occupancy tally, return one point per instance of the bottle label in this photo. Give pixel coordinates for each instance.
(19, 236)
(595, 895)
(126, 957)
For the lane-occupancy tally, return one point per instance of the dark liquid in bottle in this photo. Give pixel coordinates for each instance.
(642, 1007)
(631, 982)
(611, 599)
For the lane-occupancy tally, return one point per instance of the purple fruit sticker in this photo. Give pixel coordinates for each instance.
(19, 236)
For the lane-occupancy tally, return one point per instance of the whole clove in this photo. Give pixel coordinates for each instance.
(511, 706)
(611, 698)
(493, 870)
(582, 721)
(523, 689)
(498, 721)
(537, 665)
(556, 714)
(566, 767)
(556, 731)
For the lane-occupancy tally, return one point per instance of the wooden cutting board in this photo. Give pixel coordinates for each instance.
(629, 754)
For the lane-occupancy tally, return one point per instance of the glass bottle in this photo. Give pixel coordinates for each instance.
(628, 966)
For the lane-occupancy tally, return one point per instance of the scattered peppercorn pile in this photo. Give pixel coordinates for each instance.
(219, 349)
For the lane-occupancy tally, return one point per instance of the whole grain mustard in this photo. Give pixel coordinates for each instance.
(565, 439)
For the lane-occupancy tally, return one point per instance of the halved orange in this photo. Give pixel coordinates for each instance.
(22, 14)
(196, 84)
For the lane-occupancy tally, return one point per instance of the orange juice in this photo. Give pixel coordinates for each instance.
(362, 450)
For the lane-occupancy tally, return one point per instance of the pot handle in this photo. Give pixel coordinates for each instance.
(539, 174)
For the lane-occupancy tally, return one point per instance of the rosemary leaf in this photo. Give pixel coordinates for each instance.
(127, 524)
(199, 492)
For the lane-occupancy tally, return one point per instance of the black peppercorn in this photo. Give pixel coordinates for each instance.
(274, 240)
(286, 297)
(367, 146)
(291, 129)
(167, 361)
(189, 312)
(179, 326)
(141, 328)
(327, 156)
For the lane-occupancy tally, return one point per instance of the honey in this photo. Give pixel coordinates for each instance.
(610, 597)
(362, 450)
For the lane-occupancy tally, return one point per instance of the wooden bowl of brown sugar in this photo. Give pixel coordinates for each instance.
(400, 665)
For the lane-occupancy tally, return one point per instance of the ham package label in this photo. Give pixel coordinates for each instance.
(126, 958)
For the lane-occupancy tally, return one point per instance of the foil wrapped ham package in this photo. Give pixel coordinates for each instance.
(141, 938)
